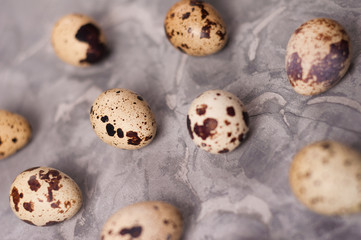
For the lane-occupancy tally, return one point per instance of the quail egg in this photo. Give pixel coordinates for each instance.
(15, 133)
(123, 119)
(326, 177)
(78, 40)
(318, 56)
(217, 121)
(44, 196)
(146, 221)
(195, 28)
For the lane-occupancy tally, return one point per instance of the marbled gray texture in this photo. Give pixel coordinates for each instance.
(241, 195)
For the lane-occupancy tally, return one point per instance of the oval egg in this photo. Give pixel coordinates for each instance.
(195, 28)
(146, 221)
(44, 196)
(326, 177)
(217, 121)
(318, 56)
(78, 40)
(15, 133)
(123, 119)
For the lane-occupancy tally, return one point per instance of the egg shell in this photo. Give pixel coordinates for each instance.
(123, 119)
(195, 28)
(15, 133)
(217, 121)
(326, 177)
(44, 196)
(318, 56)
(144, 221)
(78, 40)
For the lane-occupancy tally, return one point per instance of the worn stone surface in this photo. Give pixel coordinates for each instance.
(239, 195)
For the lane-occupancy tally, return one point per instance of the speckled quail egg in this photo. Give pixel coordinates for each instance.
(15, 133)
(217, 121)
(44, 196)
(123, 119)
(145, 221)
(318, 56)
(326, 177)
(195, 28)
(78, 40)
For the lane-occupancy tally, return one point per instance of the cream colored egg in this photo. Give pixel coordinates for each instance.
(144, 221)
(195, 28)
(123, 119)
(78, 40)
(44, 196)
(318, 56)
(326, 177)
(217, 121)
(15, 133)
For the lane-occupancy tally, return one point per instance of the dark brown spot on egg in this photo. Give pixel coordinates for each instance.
(50, 223)
(233, 140)
(227, 122)
(28, 206)
(90, 34)
(204, 131)
(201, 110)
(298, 30)
(140, 98)
(148, 138)
(226, 150)
(189, 127)
(104, 119)
(33, 183)
(185, 46)
(16, 198)
(294, 68)
(134, 232)
(189, 30)
(67, 204)
(91, 109)
(52, 177)
(328, 69)
(241, 137)
(326, 145)
(221, 34)
(196, 3)
(206, 29)
(133, 138)
(246, 118)
(120, 133)
(230, 111)
(172, 15)
(180, 49)
(14, 140)
(0, 142)
(186, 15)
(110, 129)
(56, 204)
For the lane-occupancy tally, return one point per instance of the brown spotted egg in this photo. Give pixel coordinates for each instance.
(15, 133)
(217, 121)
(318, 56)
(123, 119)
(326, 177)
(44, 196)
(145, 221)
(195, 28)
(78, 40)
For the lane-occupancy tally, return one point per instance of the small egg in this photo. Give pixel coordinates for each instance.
(318, 56)
(146, 221)
(44, 196)
(195, 28)
(15, 133)
(326, 177)
(78, 40)
(123, 119)
(217, 121)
